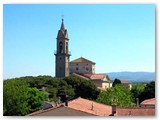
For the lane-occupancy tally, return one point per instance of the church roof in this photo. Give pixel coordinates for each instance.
(95, 76)
(82, 60)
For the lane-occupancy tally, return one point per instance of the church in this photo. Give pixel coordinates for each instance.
(80, 67)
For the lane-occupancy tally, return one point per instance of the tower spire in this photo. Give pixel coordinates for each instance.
(62, 25)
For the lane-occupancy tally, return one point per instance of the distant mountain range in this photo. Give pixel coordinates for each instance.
(133, 76)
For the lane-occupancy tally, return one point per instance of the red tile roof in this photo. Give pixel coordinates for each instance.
(90, 107)
(82, 60)
(82, 105)
(95, 76)
(81, 76)
(148, 102)
(135, 112)
(125, 81)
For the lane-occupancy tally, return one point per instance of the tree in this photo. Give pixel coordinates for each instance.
(82, 88)
(15, 98)
(117, 95)
(19, 99)
(36, 99)
(116, 81)
(149, 91)
(136, 90)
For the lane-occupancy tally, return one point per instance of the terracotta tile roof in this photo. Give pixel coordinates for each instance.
(60, 111)
(82, 105)
(90, 107)
(148, 102)
(42, 111)
(135, 111)
(125, 81)
(82, 60)
(95, 76)
(81, 76)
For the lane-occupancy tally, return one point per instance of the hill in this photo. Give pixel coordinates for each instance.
(133, 76)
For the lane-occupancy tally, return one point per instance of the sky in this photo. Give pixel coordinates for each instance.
(117, 37)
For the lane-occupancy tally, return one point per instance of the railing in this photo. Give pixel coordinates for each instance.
(56, 52)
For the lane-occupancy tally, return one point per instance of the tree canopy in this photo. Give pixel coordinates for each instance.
(83, 88)
(117, 95)
(19, 99)
(149, 91)
(26, 94)
(136, 90)
(116, 81)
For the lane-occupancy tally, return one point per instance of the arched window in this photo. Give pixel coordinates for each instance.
(66, 47)
(60, 47)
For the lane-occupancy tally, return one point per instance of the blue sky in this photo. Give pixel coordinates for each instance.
(117, 37)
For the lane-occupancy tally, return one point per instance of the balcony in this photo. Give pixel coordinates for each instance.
(67, 53)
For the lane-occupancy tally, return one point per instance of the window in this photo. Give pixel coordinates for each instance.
(60, 47)
(77, 68)
(87, 69)
(66, 47)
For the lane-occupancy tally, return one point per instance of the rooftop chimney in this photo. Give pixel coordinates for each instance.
(92, 106)
(66, 102)
(137, 100)
(113, 110)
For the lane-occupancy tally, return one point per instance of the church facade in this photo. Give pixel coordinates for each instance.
(82, 66)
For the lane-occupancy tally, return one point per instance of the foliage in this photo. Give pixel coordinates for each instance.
(117, 95)
(36, 99)
(26, 94)
(83, 88)
(116, 81)
(19, 99)
(149, 91)
(136, 90)
(15, 98)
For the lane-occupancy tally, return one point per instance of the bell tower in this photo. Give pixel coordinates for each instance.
(62, 54)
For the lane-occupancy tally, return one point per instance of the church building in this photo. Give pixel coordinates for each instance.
(80, 67)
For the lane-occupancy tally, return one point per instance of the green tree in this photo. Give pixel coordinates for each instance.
(117, 95)
(82, 88)
(19, 99)
(36, 99)
(149, 91)
(116, 81)
(136, 90)
(15, 97)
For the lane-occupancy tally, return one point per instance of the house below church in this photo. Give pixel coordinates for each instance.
(85, 69)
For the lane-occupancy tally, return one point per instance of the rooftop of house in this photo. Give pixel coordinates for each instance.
(148, 102)
(81, 106)
(90, 107)
(135, 111)
(82, 60)
(123, 81)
